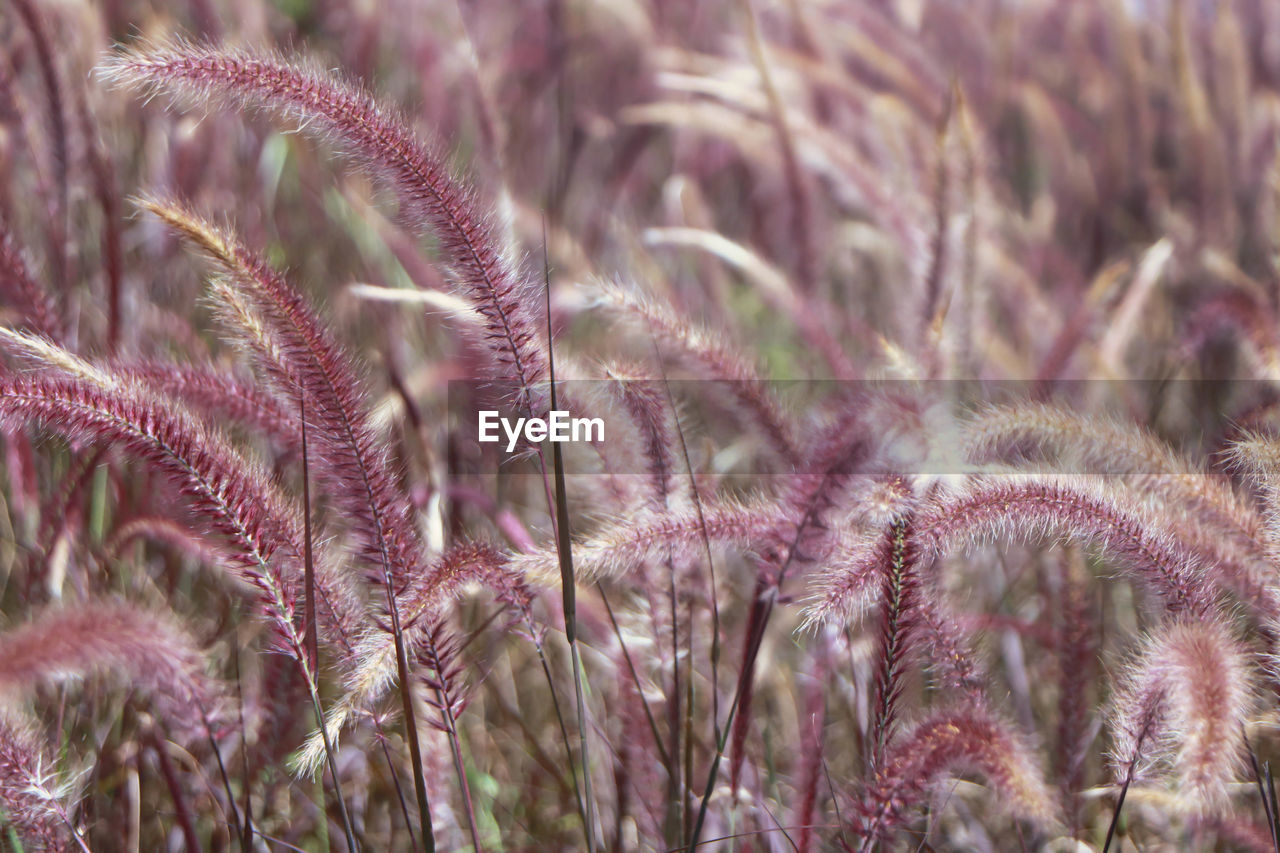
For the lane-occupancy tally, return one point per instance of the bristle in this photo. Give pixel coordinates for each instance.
(648, 413)
(420, 607)
(380, 140)
(236, 499)
(963, 738)
(1188, 694)
(19, 288)
(714, 359)
(297, 350)
(651, 536)
(34, 800)
(169, 532)
(45, 353)
(218, 396)
(1031, 506)
(1103, 445)
(147, 650)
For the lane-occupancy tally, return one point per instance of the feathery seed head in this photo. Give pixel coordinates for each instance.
(1187, 697)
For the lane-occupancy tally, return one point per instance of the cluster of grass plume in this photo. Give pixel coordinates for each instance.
(261, 588)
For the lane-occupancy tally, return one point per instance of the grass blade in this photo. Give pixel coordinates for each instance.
(568, 585)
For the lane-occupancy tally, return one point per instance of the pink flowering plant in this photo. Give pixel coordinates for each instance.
(730, 425)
